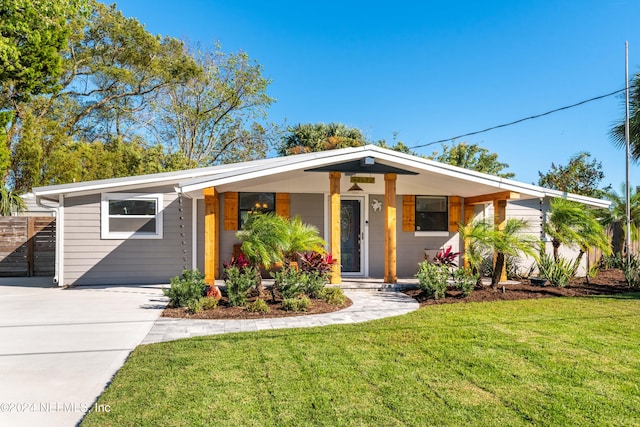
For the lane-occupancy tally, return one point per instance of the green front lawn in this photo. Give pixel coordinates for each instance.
(555, 361)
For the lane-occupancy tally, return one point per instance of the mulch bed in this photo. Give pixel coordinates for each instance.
(225, 311)
(606, 282)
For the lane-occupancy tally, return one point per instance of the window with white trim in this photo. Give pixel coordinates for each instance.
(131, 216)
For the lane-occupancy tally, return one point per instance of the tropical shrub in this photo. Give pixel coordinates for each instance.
(184, 291)
(203, 303)
(612, 261)
(334, 296)
(631, 271)
(258, 306)
(288, 282)
(446, 257)
(432, 279)
(239, 282)
(296, 304)
(557, 271)
(316, 261)
(465, 280)
(312, 283)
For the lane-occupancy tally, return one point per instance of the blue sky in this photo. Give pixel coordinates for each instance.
(432, 70)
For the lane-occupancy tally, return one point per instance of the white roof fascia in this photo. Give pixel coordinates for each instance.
(591, 201)
(286, 164)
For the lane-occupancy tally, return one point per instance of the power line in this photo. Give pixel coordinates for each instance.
(520, 120)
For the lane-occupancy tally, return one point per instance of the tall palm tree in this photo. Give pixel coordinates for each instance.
(615, 217)
(10, 202)
(618, 131)
(573, 224)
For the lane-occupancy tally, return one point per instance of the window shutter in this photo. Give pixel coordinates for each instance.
(455, 211)
(409, 213)
(282, 204)
(231, 211)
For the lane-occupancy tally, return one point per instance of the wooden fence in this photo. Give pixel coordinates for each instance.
(27, 246)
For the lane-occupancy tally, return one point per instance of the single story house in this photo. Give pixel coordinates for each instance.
(377, 209)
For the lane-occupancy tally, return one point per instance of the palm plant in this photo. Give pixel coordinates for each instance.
(615, 217)
(10, 202)
(302, 238)
(512, 240)
(479, 237)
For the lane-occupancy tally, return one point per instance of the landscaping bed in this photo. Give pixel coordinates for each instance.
(224, 310)
(606, 282)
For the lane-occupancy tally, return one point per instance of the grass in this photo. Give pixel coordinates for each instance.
(555, 361)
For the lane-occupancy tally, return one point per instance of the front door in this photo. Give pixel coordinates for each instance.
(351, 235)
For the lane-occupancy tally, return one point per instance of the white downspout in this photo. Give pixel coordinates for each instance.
(194, 233)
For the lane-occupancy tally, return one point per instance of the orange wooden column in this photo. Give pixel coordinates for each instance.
(211, 235)
(390, 275)
(334, 219)
(500, 222)
(469, 212)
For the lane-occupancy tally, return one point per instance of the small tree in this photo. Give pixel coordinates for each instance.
(512, 240)
(582, 175)
(474, 157)
(573, 224)
(10, 202)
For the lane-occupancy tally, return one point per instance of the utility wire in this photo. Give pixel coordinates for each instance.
(520, 120)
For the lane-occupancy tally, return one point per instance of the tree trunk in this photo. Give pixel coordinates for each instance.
(556, 246)
(497, 270)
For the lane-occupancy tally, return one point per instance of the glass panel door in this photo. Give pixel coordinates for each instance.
(351, 235)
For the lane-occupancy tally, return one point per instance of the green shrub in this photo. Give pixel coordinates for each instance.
(239, 282)
(296, 304)
(557, 272)
(184, 291)
(258, 306)
(288, 282)
(465, 280)
(334, 296)
(208, 303)
(612, 261)
(631, 271)
(312, 283)
(432, 279)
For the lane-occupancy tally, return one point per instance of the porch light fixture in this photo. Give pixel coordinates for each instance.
(355, 187)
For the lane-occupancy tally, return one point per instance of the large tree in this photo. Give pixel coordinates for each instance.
(32, 35)
(309, 137)
(618, 131)
(582, 175)
(211, 117)
(472, 156)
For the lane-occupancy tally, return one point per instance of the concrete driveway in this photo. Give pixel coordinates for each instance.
(59, 348)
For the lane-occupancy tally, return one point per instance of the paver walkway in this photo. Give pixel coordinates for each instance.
(367, 305)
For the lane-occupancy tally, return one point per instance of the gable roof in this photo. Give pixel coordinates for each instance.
(462, 182)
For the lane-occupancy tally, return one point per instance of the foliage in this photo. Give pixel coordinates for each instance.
(479, 235)
(512, 241)
(334, 296)
(558, 271)
(264, 238)
(615, 260)
(465, 280)
(288, 282)
(239, 282)
(473, 157)
(258, 306)
(446, 257)
(316, 261)
(631, 270)
(312, 283)
(618, 131)
(202, 303)
(241, 261)
(301, 303)
(210, 116)
(302, 238)
(615, 217)
(580, 176)
(10, 202)
(186, 291)
(432, 279)
(572, 223)
(308, 137)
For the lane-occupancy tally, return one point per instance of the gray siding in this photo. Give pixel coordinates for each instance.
(410, 248)
(90, 260)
